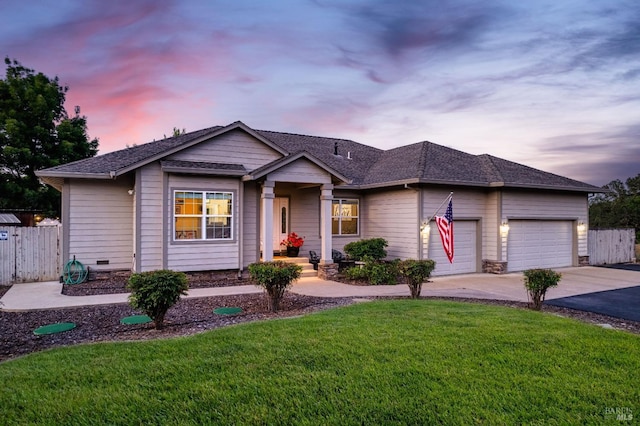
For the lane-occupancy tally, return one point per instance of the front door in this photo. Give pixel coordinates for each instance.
(280, 222)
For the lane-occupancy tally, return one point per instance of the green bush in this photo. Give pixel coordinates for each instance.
(155, 292)
(375, 272)
(416, 272)
(372, 248)
(537, 282)
(356, 273)
(275, 277)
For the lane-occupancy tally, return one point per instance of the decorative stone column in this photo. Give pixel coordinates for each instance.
(327, 271)
(266, 233)
(494, 266)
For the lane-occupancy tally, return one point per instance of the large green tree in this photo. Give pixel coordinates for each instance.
(619, 207)
(35, 133)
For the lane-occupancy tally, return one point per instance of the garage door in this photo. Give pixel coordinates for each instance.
(539, 244)
(464, 244)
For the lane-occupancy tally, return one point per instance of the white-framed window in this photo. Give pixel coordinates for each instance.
(345, 216)
(203, 215)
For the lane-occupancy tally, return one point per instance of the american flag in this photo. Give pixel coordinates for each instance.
(445, 227)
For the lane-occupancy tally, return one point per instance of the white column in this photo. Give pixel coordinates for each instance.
(326, 198)
(266, 233)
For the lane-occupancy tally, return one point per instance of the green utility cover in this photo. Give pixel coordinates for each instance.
(135, 319)
(54, 328)
(227, 311)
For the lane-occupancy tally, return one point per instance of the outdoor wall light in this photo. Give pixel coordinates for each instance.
(131, 192)
(504, 227)
(424, 228)
(582, 227)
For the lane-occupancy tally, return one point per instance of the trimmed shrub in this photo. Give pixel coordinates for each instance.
(375, 272)
(155, 292)
(416, 272)
(275, 277)
(372, 248)
(537, 282)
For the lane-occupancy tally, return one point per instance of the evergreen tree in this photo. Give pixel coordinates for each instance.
(35, 133)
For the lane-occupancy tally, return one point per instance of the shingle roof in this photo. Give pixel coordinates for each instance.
(127, 157)
(355, 167)
(366, 166)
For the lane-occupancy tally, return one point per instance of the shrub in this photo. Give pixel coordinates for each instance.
(155, 292)
(372, 248)
(275, 277)
(356, 273)
(375, 272)
(416, 272)
(537, 282)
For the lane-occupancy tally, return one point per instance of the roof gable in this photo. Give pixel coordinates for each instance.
(285, 163)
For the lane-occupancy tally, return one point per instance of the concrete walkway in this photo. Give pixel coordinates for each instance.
(583, 280)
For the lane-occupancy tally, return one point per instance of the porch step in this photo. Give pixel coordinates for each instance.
(307, 268)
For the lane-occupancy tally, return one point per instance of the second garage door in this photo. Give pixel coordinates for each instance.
(539, 244)
(464, 244)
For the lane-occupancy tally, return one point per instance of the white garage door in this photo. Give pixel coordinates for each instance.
(464, 249)
(539, 244)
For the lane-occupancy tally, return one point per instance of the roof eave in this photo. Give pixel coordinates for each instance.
(549, 187)
(70, 175)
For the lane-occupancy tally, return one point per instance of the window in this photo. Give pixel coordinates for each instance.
(344, 217)
(201, 215)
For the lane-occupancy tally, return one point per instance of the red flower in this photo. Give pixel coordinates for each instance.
(293, 240)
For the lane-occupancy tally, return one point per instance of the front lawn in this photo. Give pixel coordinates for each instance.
(383, 362)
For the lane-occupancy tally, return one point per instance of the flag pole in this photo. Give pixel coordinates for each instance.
(438, 209)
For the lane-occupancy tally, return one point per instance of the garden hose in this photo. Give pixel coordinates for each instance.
(74, 272)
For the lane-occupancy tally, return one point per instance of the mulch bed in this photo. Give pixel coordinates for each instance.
(188, 316)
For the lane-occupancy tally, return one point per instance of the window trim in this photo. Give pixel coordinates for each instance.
(357, 217)
(203, 217)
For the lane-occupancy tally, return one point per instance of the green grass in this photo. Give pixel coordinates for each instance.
(386, 362)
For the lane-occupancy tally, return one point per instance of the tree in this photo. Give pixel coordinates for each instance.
(35, 133)
(619, 207)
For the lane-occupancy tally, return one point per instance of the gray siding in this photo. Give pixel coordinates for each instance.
(235, 147)
(302, 171)
(150, 226)
(393, 215)
(101, 223)
(202, 255)
(250, 233)
(530, 205)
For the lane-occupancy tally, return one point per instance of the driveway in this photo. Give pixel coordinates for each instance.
(621, 303)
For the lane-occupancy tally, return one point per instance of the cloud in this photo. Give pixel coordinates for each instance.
(599, 157)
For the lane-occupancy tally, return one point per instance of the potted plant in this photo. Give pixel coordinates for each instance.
(293, 243)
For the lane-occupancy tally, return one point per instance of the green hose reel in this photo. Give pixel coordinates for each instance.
(74, 272)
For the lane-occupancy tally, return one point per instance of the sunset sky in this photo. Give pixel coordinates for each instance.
(551, 84)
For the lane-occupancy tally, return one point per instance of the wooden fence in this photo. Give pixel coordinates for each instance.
(29, 254)
(607, 246)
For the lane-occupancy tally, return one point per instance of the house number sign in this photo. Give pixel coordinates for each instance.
(4, 235)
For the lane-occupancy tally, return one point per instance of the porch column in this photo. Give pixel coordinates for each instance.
(266, 233)
(326, 198)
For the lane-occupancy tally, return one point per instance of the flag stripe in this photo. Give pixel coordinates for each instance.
(445, 228)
